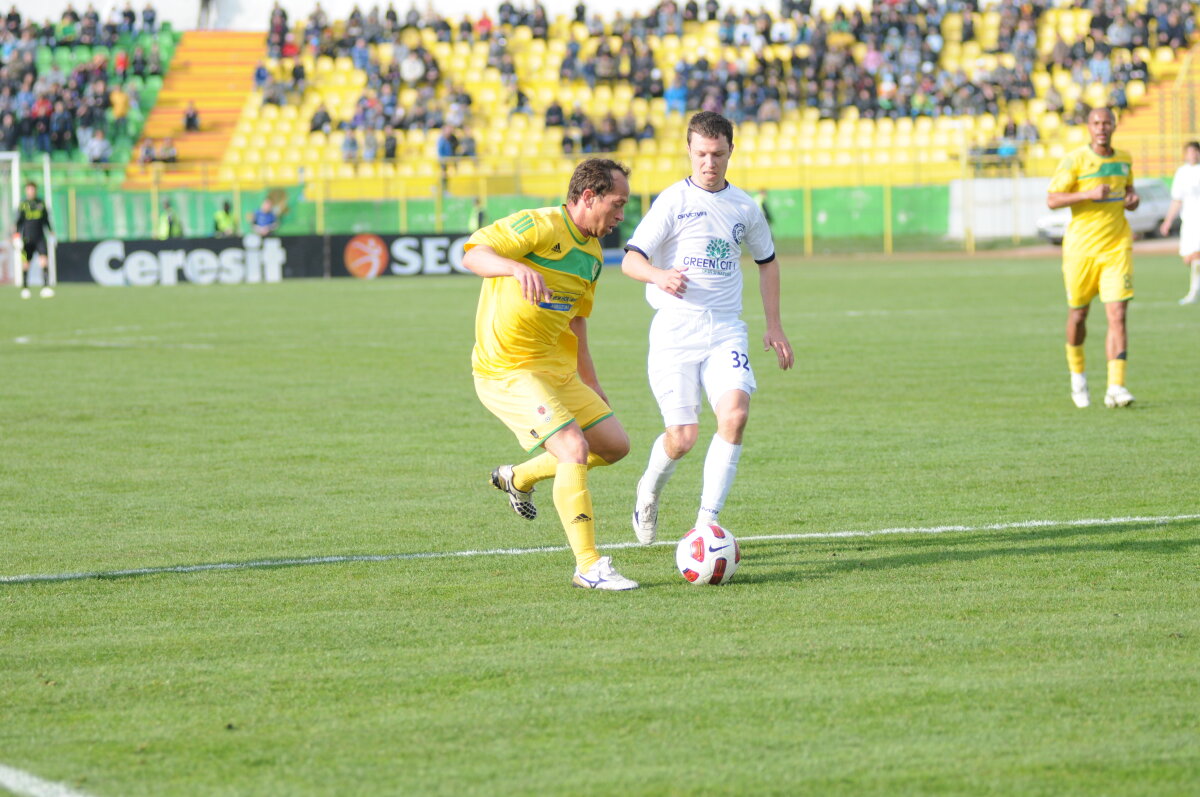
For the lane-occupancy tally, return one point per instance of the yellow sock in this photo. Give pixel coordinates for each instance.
(542, 467)
(574, 505)
(533, 471)
(1116, 372)
(1075, 358)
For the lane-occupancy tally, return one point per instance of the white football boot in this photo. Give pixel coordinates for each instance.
(645, 517)
(46, 292)
(1117, 396)
(521, 502)
(1189, 299)
(1079, 391)
(603, 576)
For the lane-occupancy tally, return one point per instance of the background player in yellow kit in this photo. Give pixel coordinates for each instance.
(531, 362)
(1096, 182)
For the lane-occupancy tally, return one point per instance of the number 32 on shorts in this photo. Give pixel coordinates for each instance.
(740, 359)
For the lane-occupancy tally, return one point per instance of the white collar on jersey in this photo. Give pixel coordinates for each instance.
(688, 180)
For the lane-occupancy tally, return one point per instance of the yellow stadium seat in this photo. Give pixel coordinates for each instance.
(282, 174)
(1049, 125)
(1135, 92)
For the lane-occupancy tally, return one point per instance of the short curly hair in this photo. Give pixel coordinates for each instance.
(596, 174)
(710, 125)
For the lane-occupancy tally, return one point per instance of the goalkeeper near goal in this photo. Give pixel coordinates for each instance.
(32, 231)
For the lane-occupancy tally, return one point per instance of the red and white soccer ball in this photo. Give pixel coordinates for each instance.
(708, 555)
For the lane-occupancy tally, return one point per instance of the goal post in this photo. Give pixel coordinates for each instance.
(51, 277)
(11, 192)
(10, 199)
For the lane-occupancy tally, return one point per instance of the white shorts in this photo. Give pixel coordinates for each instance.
(694, 350)
(1189, 238)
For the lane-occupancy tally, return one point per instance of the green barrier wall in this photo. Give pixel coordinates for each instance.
(836, 212)
(859, 212)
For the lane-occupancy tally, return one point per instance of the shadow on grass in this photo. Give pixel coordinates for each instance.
(856, 555)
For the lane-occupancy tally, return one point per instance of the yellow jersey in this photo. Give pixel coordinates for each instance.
(510, 333)
(1096, 226)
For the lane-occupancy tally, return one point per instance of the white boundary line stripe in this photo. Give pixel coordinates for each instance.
(400, 557)
(27, 785)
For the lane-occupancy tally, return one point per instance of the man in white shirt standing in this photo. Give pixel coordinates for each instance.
(688, 250)
(1185, 203)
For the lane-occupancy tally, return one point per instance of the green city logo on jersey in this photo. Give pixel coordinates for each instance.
(718, 248)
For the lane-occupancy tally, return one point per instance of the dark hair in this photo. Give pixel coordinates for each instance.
(596, 174)
(710, 125)
(1192, 145)
(31, 184)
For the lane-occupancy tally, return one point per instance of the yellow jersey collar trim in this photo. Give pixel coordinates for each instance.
(571, 228)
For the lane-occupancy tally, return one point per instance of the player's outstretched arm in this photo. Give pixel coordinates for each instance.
(487, 263)
(585, 366)
(670, 280)
(768, 285)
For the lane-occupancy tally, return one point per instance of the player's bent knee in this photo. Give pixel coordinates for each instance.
(681, 439)
(568, 445)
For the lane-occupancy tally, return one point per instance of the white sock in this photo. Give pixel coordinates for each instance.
(720, 467)
(1195, 284)
(658, 469)
(1078, 382)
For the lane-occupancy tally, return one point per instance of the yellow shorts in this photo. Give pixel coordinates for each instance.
(535, 405)
(1110, 275)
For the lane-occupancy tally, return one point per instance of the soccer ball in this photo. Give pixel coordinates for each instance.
(708, 555)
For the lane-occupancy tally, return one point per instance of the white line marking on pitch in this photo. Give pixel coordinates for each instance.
(400, 557)
(27, 785)
(142, 342)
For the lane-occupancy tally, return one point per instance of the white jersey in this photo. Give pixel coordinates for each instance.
(1186, 188)
(702, 233)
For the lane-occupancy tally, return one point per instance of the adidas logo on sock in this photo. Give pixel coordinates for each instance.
(581, 518)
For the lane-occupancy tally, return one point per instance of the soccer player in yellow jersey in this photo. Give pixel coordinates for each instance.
(1096, 182)
(531, 362)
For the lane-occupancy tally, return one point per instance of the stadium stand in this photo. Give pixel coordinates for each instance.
(63, 81)
(385, 105)
(916, 92)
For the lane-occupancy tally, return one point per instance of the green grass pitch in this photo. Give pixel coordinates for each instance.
(176, 426)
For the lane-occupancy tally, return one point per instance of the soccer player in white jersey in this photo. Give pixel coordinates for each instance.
(1185, 203)
(688, 249)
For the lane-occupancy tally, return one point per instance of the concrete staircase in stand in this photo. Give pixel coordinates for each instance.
(215, 69)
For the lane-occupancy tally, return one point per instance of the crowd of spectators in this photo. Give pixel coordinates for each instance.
(884, 60)
(899, 73)
(436, 104)
(580, 134)
(50, 109)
